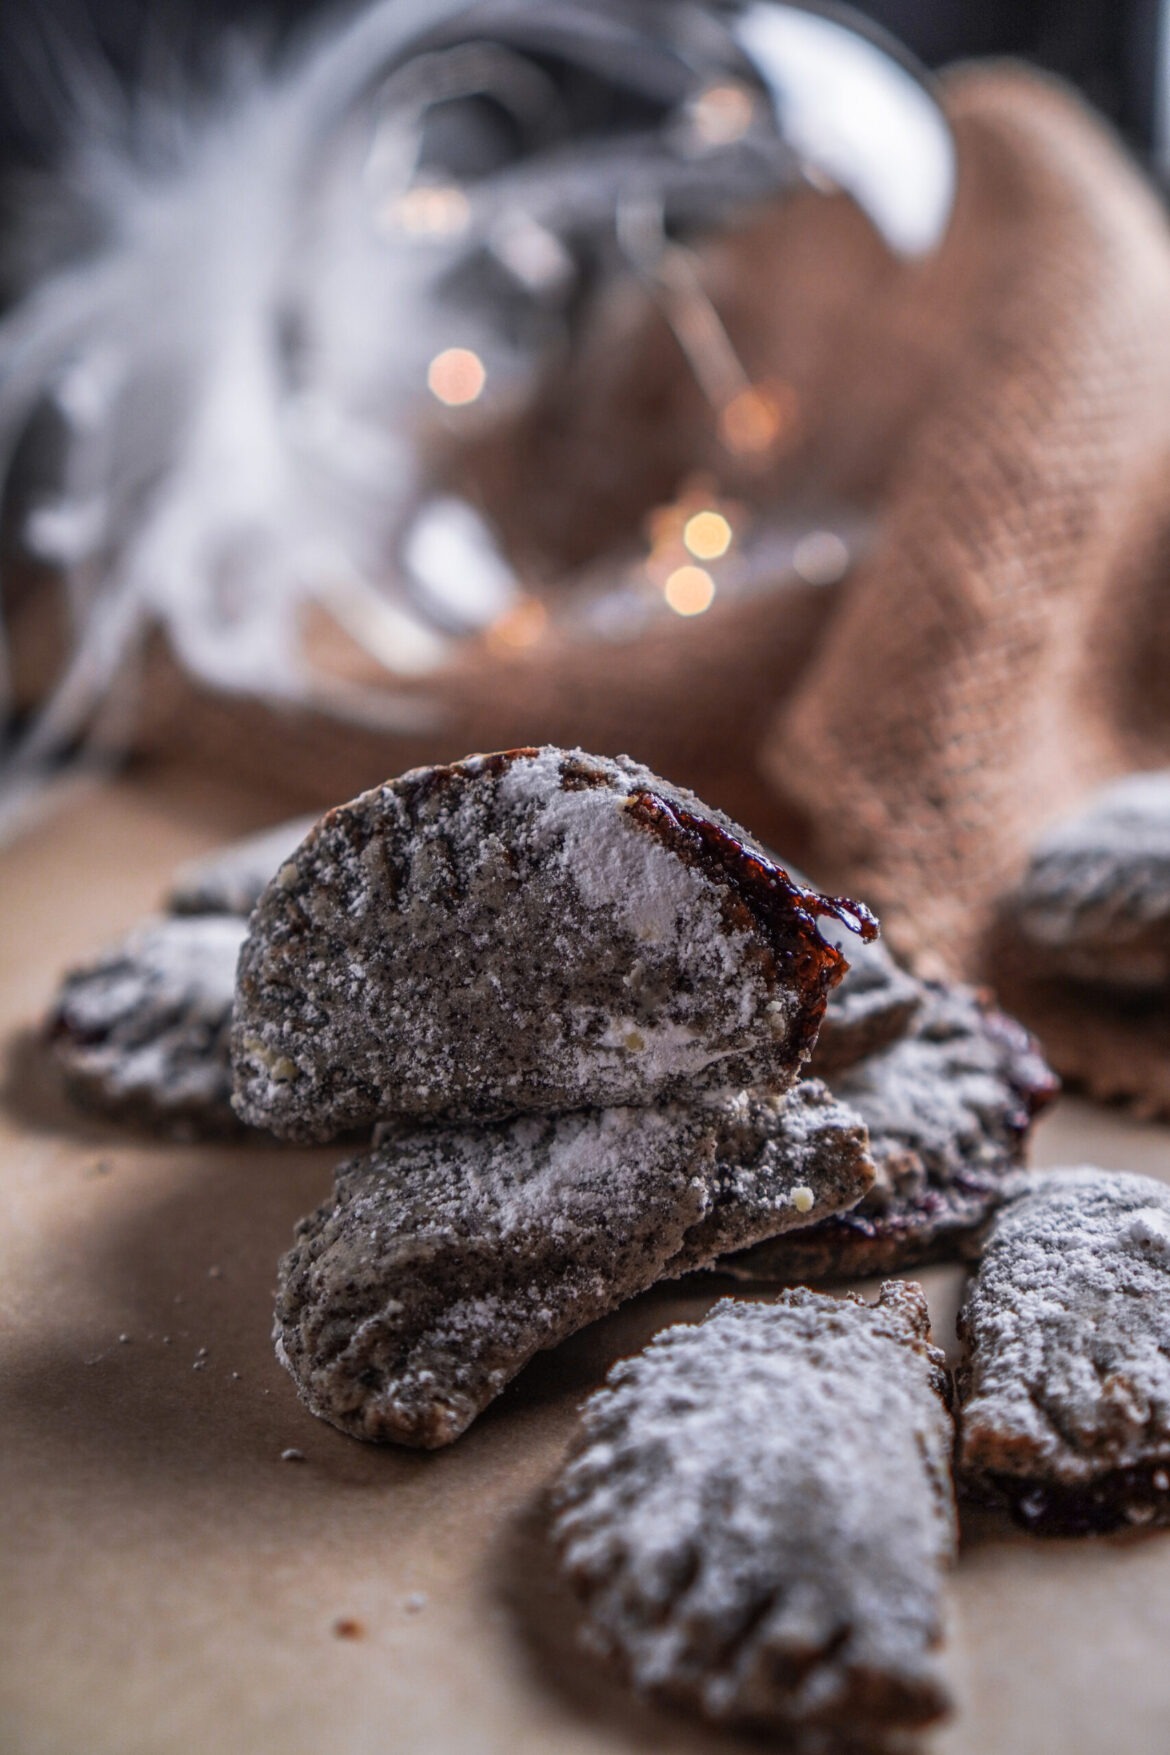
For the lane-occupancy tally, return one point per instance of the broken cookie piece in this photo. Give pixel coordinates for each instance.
(874, 1006)
(232, 880)
(758, 1516)
(1065, 1388)
(142, 1033)
(871, 1007)
(949, 1111)
(535, 931)
(448, 1257)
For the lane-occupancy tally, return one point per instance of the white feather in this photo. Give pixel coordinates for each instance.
(209, 484)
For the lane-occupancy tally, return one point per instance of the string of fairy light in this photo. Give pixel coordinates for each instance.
(689, 538)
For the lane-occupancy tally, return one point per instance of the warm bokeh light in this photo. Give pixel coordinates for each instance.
(456, 376)
(522, 626)
(758, 419)
(689, 590)
(430, 210)
(707, 535)
(664, 526)
(722, 114)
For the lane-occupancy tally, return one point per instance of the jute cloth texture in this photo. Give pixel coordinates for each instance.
(1004, 410)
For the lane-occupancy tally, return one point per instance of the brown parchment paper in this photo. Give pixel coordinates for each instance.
(170, 1586)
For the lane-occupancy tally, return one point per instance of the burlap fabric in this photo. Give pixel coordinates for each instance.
(1004, 406)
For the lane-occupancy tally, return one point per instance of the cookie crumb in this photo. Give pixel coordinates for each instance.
(345, 1627)
(292, 1454)
(215, 1272)
(123, 1340)
(803, 1199)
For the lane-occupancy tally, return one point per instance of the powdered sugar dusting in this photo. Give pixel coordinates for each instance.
(948, 1110)
(1133, 813)
(449, 1256)
(1149, 1229)
(496, 937)
(758, 1513)
(1095, 901)
(608, 859)
(1068, 1330)
(145, 1026)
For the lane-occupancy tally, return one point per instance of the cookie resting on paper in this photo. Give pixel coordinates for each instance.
(539, 930)
(448, 1257)
(758, 1515)
(141, 1034)
(949, 1111)
(232, 880)
(1094, 904)
(1065, 1387)
(1081, 948)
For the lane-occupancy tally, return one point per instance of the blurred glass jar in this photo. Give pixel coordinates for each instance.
(416, 334)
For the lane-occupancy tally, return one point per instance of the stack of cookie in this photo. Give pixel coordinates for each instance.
(572, 1011)
(575, 1004)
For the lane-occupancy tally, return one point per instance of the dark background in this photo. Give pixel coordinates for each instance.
(1107, 47)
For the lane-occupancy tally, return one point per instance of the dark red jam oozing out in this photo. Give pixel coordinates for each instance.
(1121, 1499)
(785, 912)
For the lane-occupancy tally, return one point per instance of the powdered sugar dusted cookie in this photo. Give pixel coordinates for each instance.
(232, 880)
(1082, 945)
(448, 1257)
(534, 931)
(1065, 1389)
(948, 1110)
(872, 1007)
(758, 1515)
(1094, 904)
(142, 1032)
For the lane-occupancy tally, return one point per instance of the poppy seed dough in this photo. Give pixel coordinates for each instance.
(534, 931)
(449, 1256)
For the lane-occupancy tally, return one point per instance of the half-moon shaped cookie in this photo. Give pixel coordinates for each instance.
(758, 1516)
(536, 931)
(449, 1256)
